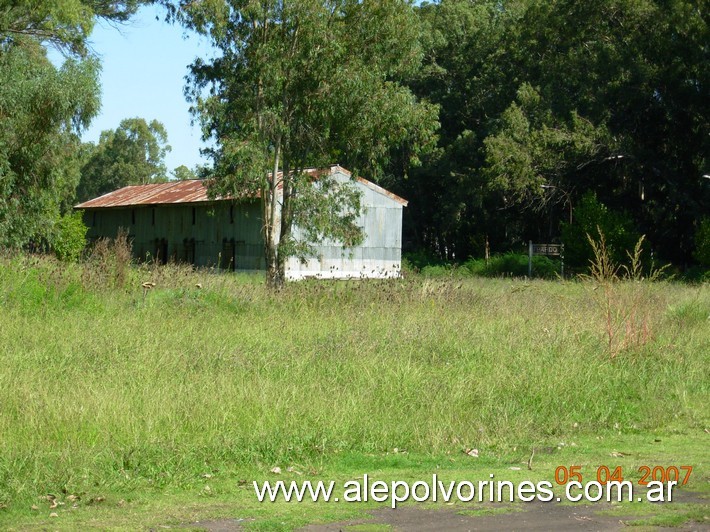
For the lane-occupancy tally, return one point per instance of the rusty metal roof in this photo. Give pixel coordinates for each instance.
(189, 191)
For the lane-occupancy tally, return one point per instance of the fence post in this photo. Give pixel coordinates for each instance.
(530, 254)
(562, 260)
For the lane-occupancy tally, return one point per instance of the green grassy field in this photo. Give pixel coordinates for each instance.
(125, 405)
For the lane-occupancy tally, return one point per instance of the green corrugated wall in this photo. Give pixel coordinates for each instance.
(201, 234)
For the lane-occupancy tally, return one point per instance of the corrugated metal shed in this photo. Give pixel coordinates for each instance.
(192, 191)
(178, 222)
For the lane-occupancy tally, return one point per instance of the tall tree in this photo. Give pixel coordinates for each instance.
(463, 71)
(300, 84)
(44, 108)
(132, 154)
(605, 96)
(182, 172)
(625, 86)
(65, 24)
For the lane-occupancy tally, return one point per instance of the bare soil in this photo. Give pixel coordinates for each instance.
(524, 517)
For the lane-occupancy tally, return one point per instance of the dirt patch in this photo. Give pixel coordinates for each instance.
(524, 517)
(532, 516)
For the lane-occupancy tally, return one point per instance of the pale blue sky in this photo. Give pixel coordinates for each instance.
(144, 64)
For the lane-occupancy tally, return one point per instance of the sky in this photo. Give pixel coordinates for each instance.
(144, 64)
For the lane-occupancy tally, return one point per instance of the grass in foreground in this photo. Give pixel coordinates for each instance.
(224, 496)
(143, 400)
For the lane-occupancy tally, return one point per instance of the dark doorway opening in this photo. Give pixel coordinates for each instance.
(160, 251)
(189, 254)
(228, 259)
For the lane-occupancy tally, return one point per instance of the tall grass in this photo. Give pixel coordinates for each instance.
(107, 388)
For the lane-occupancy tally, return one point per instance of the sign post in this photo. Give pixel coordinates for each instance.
(530, 256)
(549, 250)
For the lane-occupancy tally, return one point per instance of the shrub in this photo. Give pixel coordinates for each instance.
(441, 270)
(418, 260)
(590, 217)
(513, 265)
(695, 274)
(69, 238)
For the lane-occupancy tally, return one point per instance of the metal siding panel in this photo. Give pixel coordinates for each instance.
(381, 249)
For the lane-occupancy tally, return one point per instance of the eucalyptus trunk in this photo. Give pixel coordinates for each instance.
(275, 265)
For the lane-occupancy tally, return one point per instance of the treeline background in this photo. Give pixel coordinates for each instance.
(557, 119)
(597, 107)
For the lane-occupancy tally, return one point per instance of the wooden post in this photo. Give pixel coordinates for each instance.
(530, 254)
(562, 260)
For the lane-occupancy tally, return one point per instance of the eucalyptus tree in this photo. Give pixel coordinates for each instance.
(64, 24)
(613, 98)
(465, 71)
(132, 154)
(41, 108)
(301, 84)
(44, 108)
(183, 173)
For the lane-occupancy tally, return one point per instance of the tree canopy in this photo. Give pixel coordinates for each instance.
(39, 167)
(182, 172)
(498, 120)
(132, 154)
(44, 108)
(542, 102)
(65, 24)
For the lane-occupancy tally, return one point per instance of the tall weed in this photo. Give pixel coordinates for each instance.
(624, 295)
(108, 265)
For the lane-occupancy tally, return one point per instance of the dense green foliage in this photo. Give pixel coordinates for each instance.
(606, 96)
(182, 173)
(65, 24)
(514, 265)
(39, 146)
(702, 243)
(69, 238)
(43, 109)
(505, 265)
(132, 154)
(590, 219)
